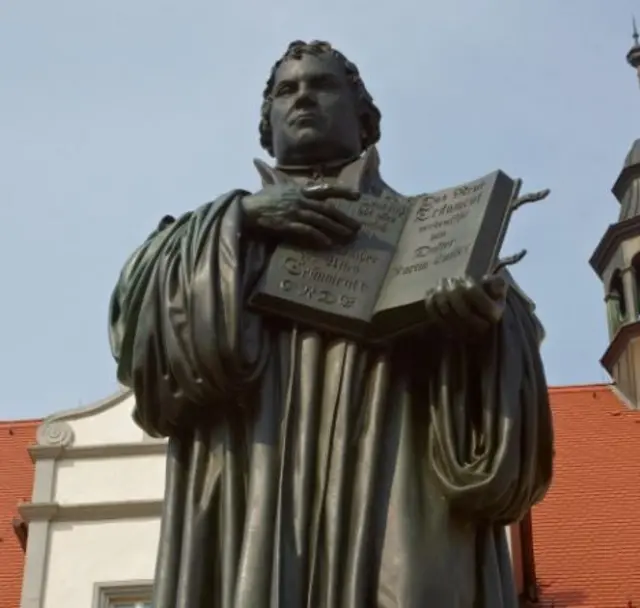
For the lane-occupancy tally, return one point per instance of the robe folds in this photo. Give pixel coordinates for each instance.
(307, 471)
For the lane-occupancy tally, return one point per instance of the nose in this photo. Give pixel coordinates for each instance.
(306, 97)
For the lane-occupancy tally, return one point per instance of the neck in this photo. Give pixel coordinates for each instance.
(322, 167)
(359, 172)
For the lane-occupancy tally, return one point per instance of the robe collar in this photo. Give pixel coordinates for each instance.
(361, 174)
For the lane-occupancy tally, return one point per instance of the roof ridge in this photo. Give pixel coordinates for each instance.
(576, 388)
(21, 422)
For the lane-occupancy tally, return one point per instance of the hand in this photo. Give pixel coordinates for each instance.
(465, 308)
(300, 215)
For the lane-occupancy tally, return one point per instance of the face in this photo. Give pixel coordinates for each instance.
(314, 116)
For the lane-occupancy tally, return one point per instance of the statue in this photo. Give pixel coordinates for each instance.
(306, 469)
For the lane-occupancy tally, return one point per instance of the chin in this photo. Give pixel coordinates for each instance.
(309, 134)
(311, 144)
(308, 146)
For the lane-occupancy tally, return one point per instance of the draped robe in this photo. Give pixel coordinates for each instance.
(306, 470)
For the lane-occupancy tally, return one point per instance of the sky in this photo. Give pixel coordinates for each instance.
(113, 114)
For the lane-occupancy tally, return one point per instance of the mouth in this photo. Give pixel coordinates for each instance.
(304, 118)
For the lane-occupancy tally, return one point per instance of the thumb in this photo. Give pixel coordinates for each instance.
(495, 286)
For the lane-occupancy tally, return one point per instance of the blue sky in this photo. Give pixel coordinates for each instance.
(115, 113)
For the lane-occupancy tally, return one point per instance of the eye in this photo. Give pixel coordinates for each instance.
(285, 88)
(326, 83)
(331, 83)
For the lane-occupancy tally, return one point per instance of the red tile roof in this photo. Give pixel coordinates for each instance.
(16, 480)
(586, 532)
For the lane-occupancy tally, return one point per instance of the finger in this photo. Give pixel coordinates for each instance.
(495, 286)
(462, 308)
(323, 223)
(331, 212)
(485, 305)
(325, 191)
(306, 236)
(428, 301)
(441, 308)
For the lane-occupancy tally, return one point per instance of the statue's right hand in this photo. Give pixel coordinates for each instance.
(300, 215)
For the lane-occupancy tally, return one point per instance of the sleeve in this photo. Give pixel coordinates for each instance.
(178, 330)
(491, 434)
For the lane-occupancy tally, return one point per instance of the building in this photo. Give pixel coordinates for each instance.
(16, 481)
(616, 260)
(94, 514)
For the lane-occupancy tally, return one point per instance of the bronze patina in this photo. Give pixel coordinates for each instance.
(306, 469)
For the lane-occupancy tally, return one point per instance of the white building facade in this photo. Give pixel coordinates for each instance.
(94, 516)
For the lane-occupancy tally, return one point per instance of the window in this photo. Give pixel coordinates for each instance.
(128, 594)
(616, 303)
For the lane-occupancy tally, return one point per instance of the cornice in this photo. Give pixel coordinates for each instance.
(53, 511)
(109, 450)
(614, 235)
(626, 176)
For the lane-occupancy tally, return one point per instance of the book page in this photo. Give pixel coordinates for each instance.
(439, 237)
(345, 281)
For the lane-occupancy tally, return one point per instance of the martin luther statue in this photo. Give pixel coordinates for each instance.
(307, 470)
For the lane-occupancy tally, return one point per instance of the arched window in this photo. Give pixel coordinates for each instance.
(616, 304)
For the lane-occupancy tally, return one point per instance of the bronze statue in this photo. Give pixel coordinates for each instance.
(306, 469)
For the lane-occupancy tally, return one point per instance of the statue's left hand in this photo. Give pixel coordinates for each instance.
(466, 308)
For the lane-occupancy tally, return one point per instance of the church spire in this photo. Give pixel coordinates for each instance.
(633, 56)
(616, 260)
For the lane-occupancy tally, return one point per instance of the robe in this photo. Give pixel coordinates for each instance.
(307, 471)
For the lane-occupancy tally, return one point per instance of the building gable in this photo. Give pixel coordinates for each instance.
(106, 422)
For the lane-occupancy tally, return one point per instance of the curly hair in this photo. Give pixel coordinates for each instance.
(369, 114)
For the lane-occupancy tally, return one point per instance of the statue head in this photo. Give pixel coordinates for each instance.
(315, 107)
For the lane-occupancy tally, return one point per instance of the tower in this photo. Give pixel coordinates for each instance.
(616, 260)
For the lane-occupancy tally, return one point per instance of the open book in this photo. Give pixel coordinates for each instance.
(375, 287)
